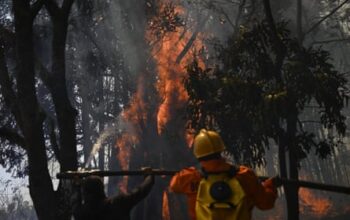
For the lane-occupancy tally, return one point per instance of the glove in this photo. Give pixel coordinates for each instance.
(147, 171)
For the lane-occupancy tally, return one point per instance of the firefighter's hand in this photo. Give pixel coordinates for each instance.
(148, 174)
(277, 181)
(147, 170)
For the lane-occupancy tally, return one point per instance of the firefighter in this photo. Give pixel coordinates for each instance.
(97, 206)
(219, 190)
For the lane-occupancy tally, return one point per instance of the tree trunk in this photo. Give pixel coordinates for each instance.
(64, 110)
(299, 21)
(65, 113)
(101, 122)
(291, 191)
(85, 121)
(40, 185)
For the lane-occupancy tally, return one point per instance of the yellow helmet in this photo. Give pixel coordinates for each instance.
(207, 143)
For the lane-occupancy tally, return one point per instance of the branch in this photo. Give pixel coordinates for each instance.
(6, 88)
(269, 16)
(93, 41)
(299, 21)
(21, 8)
(187, 47)
(240, 9)
(191, 41)
(53, 139)
(279, 47)
(325, 17)
(7, 37)
(36, 6)
(227, 17)
(66, 6)
(13, 137)
(44, 73)
(211, 5)
(52, 8)
(5, 82)
(331, 41)
(311, 121)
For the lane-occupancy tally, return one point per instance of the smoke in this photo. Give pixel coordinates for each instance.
(124, 39)
(112, 130)
(126, 21)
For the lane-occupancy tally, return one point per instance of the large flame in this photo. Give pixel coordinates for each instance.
(172, 54)
(135, 114)
(124, 144)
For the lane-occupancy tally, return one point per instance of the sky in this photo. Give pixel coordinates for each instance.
(7, 190)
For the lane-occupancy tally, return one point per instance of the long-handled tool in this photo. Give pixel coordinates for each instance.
(284, 181)
(86, 173)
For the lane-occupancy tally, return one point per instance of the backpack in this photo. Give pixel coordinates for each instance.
(221, 197)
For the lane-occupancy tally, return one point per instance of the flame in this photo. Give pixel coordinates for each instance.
(135, 114)
(165, 207)
(123, 144)
(171, 70)
(314, 204)
(189, 134)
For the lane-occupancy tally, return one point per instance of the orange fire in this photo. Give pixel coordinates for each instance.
(134, 114)
(315, 205)
(189, 134)
(124, 143)
(168, 53)
(171, 67)
(165, 207)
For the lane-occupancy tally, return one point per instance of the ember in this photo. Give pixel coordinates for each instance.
(313, 204)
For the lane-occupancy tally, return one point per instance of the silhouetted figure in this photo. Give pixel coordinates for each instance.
(97, 206)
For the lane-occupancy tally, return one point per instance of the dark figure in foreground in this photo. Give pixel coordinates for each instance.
(97, 206)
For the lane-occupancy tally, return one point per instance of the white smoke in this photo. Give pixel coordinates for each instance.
(113, 129)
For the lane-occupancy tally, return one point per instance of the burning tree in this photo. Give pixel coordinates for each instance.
(157, 108)
(86, 82)
(257, 94)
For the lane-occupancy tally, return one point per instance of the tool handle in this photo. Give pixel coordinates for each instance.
(298, 183)
(81, 174)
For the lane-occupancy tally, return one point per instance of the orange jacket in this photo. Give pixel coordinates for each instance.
(187, 180)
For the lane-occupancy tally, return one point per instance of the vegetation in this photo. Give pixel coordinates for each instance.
(76, 74)
(252, 99)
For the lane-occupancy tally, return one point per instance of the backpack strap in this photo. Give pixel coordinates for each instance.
(231, 172)
(203, 173)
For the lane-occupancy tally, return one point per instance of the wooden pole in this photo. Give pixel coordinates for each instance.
(284, 181)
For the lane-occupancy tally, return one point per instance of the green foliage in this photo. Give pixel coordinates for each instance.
(249, 98)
